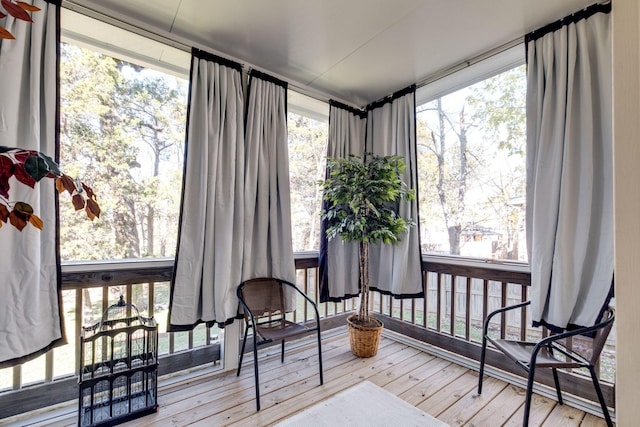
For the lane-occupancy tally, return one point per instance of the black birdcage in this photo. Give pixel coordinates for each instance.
(118, 367)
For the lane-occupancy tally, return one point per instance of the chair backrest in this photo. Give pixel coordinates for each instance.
(266, 296)
(602, 333)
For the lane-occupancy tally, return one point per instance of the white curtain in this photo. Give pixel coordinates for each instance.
(208, 264)
(268, 247)
(339, 263)
(391, 130)
(30, 304)
(569, 169)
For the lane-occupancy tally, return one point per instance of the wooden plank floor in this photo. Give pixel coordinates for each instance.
(441, 388)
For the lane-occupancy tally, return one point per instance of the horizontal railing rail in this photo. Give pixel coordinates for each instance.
(459, 293)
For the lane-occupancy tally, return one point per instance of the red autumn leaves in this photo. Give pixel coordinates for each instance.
(29, 167)
(17, 9)
(83, 199)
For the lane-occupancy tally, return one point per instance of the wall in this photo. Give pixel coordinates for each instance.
(626, 78)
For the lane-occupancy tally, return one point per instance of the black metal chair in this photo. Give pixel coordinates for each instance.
(543, 354)
(266, 302)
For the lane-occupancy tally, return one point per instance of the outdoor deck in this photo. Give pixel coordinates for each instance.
(439, 387)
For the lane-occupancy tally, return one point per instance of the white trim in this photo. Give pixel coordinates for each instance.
(126, 54)
(231, 346)
(466, 73)
(307, 106)
(123, 264)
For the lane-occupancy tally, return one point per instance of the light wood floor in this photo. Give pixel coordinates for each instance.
(441, 388)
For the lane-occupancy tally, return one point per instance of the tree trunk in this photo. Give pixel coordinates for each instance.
(87, 309)
(151, 214)
(364, 282)
(157, 148)
(454, 239)
(126, 231)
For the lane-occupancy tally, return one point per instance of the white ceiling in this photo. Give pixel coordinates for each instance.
(357, 51)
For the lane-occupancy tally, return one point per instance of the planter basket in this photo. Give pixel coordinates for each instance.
(364, 340)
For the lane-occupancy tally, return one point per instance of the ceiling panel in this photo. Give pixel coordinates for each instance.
(301, 39)
(355, 50)
(435, 37)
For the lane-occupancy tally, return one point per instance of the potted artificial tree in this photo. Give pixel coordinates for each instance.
(362, 198)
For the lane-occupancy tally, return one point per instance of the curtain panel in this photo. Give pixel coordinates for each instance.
(208, 265)
(339, 261)
(391, 130)
(30, 295)
(570, 169)
(268, 246)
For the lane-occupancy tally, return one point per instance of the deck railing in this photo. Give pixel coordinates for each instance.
(459, 294)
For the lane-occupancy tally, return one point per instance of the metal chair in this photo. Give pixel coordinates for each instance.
(543, 354)
(265, 302)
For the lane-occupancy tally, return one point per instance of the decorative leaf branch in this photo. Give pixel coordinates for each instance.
(29, 167)
(17, 9)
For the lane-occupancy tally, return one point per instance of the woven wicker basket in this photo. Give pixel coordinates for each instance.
(364, 339)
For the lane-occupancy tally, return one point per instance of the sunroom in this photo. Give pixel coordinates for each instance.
(128, 78)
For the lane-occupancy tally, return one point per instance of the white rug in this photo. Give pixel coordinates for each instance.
(363, 405)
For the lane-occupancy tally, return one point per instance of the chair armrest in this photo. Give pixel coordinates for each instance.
(245, 308)
(248, 315)
(306, 297)
(609, 318)
(502, 310)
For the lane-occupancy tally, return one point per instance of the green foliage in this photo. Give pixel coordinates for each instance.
(122, 127)
(499, 105)
(470, 148)
(307, 162)
(363, 199)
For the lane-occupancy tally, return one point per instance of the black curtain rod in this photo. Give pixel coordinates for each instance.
(267, 77)
(355, 111)
(198, 53)
(571, 19)
(390, 98)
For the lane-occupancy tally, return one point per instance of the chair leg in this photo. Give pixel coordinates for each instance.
(556, 380)
(483, 355)
(603, 404)
(282, 352)
(255, 372)
(320, 356)
(244, 342)
(527, 399)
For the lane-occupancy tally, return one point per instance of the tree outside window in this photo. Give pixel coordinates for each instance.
(471, 161)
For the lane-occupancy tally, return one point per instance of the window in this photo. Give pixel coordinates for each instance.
(123, 101)
(123, 113)
(122, 132)
(471, 167)
(308, 129)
